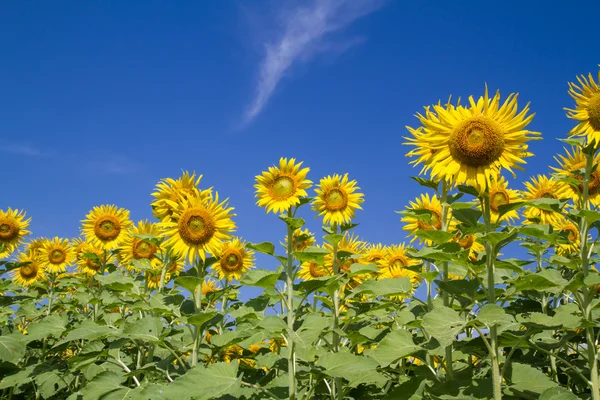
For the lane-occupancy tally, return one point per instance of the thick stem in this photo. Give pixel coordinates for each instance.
(490, 252)
(163, 273)
(336, 387)
(197, 307)
(290, 309)
(445, 295)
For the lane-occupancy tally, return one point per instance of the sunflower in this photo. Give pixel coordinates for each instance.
(468, 242)
(469, 144)
(176, 266)
(56, 254)
(281, 187)
(350, 244)
(208, 286)
(336, 199)
(91, 258)
(134, 247)
(231, 353)
(198, 226)
(234, 260)
(301, 239)
(105, 226)
(34, 246)
(12, 230)
(153, 275)
(394, 264)
(170, 192)
(573, 237)
(500, 194)
(433, 205)
(30, 273)
(374, 254)
(311, 270)
(78, 244)
(587, 98)
(571, 166)
(541, 187)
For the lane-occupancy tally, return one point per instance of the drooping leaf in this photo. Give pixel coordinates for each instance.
(264, 247)
(261, 278)
(435, 236)
(188, 282)
(395, 345)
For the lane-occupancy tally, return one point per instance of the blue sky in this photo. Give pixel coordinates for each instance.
(101, 99)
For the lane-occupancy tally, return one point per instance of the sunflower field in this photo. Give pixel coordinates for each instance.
(495, 294)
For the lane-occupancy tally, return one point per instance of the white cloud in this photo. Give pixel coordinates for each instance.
(24, 149)
(118, 164)
(301, 36)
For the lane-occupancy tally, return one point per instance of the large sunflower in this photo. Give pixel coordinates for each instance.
(234, 260)
(56, 254)
(105, 226)
(571, 166)
(281, 187)
(170, 192)
(198, 226)
(587, 98)
(573, 236)
(337, 199)
(349, 246)
(30, 273)
(134, 247)
(542, 187)
(469, 144)
(91, 258)
(434, 222)
(500, 194)
(13, 228)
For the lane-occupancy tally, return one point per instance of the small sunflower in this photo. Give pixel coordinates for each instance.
(434, 206)
(13, 228)
(198, 226)
(337, 199)
(281, 187)
(77, 244)
(170, 192)
(30, 273)
(541, 187)
(301, 239)
(587, 98)
(374, 254)
(572, 165)
(91, 258)
(176, 266)
(573, 237)
(311, 270)
(469, 242)
(105, 226)
(234, 260)
(33, 246)
(56, 254)
(395, 262)
(153, 275)
(350, 244)
(133, 247)
(500, 194)
(470, 144)
(208, 286)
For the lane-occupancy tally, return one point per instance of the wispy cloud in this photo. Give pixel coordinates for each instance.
(117, 164)
(24, 149)
(302, 35)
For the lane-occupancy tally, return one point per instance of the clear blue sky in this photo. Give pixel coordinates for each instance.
(101, 99)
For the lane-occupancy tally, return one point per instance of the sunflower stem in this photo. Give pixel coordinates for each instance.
(197, 307)
(587, 295)
(336, 387)
(163, 272)
(290, 310)
(445, 296)
(490, 252)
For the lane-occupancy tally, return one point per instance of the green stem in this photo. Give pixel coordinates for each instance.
(197, 308)
(445, 295)
(290, 310)
(490, 252)
(163, 273)
(336, 387)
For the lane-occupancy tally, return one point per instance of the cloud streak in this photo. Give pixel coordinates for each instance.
(22, 149)
(301, 36)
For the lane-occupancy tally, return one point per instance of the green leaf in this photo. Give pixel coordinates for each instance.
(500, 239)
(116, 281)
(444, 324)
(261, 278)
(201, 319)
(467, 216)
(426, 182)
(385, 287)
(533, 282)
(527, 381)
(492, 314)
(142, 264)
(312, 253)
(468, 190)
(437, 254)
(105, 385)
(148, 391)
(206, 383)
(546, 204)
(435, 236)
(11, 349)
(188, 282)
(333, 238)
(355, 369)
(557, 393)
(91, 331)
(506, 208)
(294, 223)
(357, 269)
(148, 329)
(54, 325)
(395, 345)
(264, 247)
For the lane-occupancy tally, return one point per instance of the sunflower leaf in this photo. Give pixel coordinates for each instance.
(438, 237)
(264, 247)
(426, 182)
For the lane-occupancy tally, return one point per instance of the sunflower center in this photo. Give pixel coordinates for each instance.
(593, 110)
(232, 261)
(477, 142)
(283, 187)
(143, 249)
(336, 200)
(196, 226)
(315, 270)
(107, 228)
(28, 271)
(57, 256)
(8, 231)
(498, 198)
(397, 263)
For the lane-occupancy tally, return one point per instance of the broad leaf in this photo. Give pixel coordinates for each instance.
(395, 345)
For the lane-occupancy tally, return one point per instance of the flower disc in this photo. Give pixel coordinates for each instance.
(500, 195)
(234, 260)
(337, 199)
(281, 187)
(12, 230)
(30, 273)
(105, 226)
(140, 242)
(56, 254)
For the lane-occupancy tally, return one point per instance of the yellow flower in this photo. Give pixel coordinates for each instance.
(232, 352)
(573, 236)
(208, 286)
(433, 205)
(13, 228)
(470, 144)
(468, 242)
(301, 239)
(175, 266)
(56, 254)
(91, 258)
(198, 226)
(153, 275)
(394, 264)
(105, 226)
(541, 187)
(234, 260)
(34, 246)
(337, 199)
(30, 273)
(374, 254)
(133, 247)
(500, 194)
(281, 187)
(171, 192)
(311, 270)
(587, 98)
(571, 166)
(349, 244)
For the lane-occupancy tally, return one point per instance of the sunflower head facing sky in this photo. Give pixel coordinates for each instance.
(434, 222)
(500, 195)
(134, 247)
(198, 227)
(30, 273)
(587, 110)
(170, 192)
(468, 145)
(573, 236)
(234, 260)
(105, 226)
(542, 187)
(56, 254)
(13, 228)
(337, 199)
(571, 165)
(281, 187)
(91, 258)
(374, 254)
